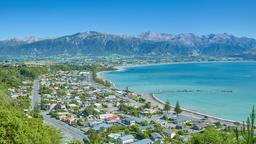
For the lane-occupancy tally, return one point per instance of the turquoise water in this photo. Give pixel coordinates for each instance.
(222, 89)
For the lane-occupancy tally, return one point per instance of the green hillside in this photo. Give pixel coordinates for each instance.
(15, 125)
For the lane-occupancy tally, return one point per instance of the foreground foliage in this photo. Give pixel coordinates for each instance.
(15, 125)
(213, 136)
(248, 130)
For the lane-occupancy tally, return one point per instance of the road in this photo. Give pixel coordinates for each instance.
(35, 94)
(65, 128)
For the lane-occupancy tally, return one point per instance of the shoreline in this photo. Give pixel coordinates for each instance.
(202, 115)
(121, 68)
(156, 101)
(124, 67)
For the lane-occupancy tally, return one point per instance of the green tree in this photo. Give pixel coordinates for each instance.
(177, 108)
(158, 128)
(165, 117)
(94, 137)
(36, 111)
(147, 105)
(90, 111)
(248, 130)
(212, 136)
(15, 127)
(129, 110)
(127, 90)
(167, 106)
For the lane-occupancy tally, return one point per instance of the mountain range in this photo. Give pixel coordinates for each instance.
(146, 44)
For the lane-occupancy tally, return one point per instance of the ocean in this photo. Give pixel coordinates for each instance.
(222, 89)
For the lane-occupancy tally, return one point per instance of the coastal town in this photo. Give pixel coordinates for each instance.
(101, 114)
(127, 72)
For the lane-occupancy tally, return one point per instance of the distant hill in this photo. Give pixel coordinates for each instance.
(146, 44)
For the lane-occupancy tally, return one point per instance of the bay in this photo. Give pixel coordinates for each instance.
(222, 89)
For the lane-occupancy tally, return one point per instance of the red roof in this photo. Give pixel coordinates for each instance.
(111, 118)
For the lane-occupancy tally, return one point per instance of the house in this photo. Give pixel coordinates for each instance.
(114, 136)
(84, 104)
(156, 137)
(97, 110)
(169, 133)
(128, 122)
(84, 123)
(14, 96)
(108, 105)
(47, 96)
(59, 107)
(62, 115)
(48, 106)
(179, 127)
(191, 131)
(111, 97)
(185, 138)
(98, 105)
(131, 102)
(181, 119)
(113, 118)
(70, 118)
(97, 127)
(94, 122)
(121, 93)
(162, 122)
(71, 106)
(104, 116)
(148, 111)
(144, 141)
(144, 128)
(126, 139)
(196, 127)
(92, 99)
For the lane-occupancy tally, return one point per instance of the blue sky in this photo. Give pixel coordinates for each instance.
(20, 18)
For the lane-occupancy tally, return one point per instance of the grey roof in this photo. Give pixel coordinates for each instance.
(143, 141)
(185, 138)
(166, 131)
(143, 128)
(156, 135)
(182, 119)
(126, 137)
(98, 126)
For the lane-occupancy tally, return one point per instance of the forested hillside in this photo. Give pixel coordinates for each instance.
(17, 126)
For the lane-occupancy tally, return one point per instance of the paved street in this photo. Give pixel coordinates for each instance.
(35, 94)
(65, 128)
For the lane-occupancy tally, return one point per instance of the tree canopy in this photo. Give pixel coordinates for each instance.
(212, 136)
(167, 106)
(177, 108)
